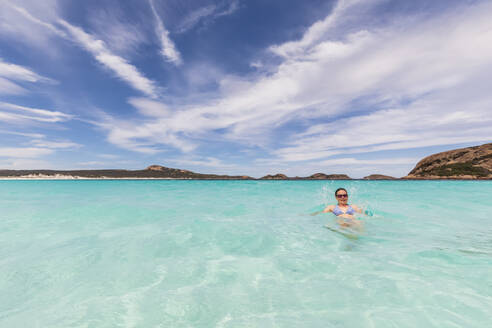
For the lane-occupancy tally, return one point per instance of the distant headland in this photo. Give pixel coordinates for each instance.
(472, 163)
(464, 163)
(151, 172)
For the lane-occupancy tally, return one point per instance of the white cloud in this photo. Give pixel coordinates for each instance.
(145, 137)
(108, 156)
(207, 15)
(438, 119)
(30, 114)
(150, 107)
(207, 161)
(117, 64)
(256, 64)
(120, 34)
(12, 72)
(19, 73)
(19, 25)
(168, 48)
(139, 137)
(114, 164)
(343, 161)
(35, 27)
(28, 156)
(24, 152)
(55, 144)
(35, 20)
(229, 9)
(195, 17)
(355, 161)
(23, 134)
(318, 32)
(95, 163)
(25, 164)
(51, 24)
(9, 87)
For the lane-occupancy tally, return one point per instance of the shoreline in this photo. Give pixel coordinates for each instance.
(73, 178)
(85, 178)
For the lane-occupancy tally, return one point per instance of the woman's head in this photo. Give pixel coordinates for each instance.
(341, 195)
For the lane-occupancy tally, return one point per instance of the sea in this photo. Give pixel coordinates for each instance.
(188, 253)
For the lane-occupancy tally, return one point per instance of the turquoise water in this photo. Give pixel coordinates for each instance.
(243, 254)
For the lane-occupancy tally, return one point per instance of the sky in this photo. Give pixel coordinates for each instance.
(249, 87)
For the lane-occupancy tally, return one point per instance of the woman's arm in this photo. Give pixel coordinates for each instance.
(362, 211)
(357, 209)
(327, 209)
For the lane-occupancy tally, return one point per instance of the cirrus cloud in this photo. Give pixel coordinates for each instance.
(391, 85)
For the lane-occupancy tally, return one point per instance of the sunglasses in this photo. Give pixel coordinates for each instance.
(342, 196)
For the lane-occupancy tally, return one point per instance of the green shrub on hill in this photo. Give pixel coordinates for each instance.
(458, 169)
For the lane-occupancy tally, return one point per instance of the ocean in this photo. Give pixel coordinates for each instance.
(167, 253)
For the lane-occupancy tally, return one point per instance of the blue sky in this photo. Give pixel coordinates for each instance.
(242, 87)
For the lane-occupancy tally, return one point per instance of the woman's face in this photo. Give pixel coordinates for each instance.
(342, 197)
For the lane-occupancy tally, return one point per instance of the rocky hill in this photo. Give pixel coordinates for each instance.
(278, 176)
(316, 176)
(465, 163)
(322, 176)
(379, 177)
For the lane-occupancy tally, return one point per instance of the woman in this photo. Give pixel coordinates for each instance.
(343, 210)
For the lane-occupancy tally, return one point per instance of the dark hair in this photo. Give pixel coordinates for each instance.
(336, 191)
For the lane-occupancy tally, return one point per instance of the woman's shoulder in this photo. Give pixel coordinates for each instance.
(329, 208)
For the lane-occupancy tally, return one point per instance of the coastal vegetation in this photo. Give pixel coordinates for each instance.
(458, 169)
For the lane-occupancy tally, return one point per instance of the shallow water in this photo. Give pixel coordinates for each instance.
(243, 254)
